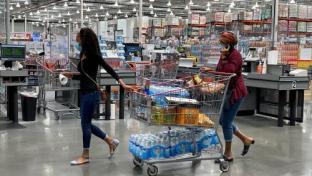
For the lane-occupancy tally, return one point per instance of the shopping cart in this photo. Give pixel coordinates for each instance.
(193, 103)
(49, 82)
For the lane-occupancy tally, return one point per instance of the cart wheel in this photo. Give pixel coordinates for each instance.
(224, 166)
(138, 162)
(152, 170)
(57, 116)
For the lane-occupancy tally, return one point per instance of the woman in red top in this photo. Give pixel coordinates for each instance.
(231, 62)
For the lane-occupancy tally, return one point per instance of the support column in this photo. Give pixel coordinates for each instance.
(12, 23)
(81, 13)
(274, 31)
(69, 36)
(7, 20)
(25, 23)
(140, 21)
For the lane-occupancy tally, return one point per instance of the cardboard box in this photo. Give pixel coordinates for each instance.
(283, 25)
(283, 10)
(302, 27)
(228, 17)
(257, 15)
(202, 20)
(219, 17)
(194, 18)
(248, 15)
(303, 11)
(293, 11)
(309, 15)
(309, 26)
(292, 26)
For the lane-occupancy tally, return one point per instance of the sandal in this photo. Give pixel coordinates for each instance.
(80, 161)
(246, 148)
(113, 146)
(217, 161)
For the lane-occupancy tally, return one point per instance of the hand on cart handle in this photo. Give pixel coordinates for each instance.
(206, 69)
(70, 74)
(127, 87)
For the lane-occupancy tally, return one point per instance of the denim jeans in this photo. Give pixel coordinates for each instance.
(227, 117)
(88, 103)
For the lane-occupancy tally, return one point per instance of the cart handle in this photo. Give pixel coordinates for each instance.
(220, 73)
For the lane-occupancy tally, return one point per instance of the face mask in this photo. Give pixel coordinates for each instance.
(78, 47)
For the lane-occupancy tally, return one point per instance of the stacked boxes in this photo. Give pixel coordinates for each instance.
(283, 25)
(302, 27)
(219, 17)
(283, 10)
(292, 26)
(293, 11)
(194, 19)
(228, 17)
(309, 27)
(303, 11)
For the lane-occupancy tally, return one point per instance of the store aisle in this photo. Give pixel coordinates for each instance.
(45, 148)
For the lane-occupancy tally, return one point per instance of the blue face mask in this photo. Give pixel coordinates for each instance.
(78, 47)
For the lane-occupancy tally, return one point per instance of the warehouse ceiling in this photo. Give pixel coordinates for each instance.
(68, 10)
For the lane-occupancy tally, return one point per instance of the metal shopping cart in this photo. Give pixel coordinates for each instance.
(49, 82)
(193, 103)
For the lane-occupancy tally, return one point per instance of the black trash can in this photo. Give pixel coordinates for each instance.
(29, 105)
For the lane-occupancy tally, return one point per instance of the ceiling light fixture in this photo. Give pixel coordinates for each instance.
(255, 6)
(134, 9)
(18, 5)
(52, 16)
(31, 14)
(116, 3)
(59, 15)
(38, 12)
(107, 14)
(63, 20)
(115, 17)
(88, 9)
(132, 2)
(119, 12)
(126, 16)
(191, 3)
(45, 10)
(229, 11)
(232, 5)
(11, 8)
(292, 2)
(26, 2)
(78, 1)
(70, 19)
(155, 15)
(151, 0)
(169, 9)
(68, 14)
(186, 7)
(208, 4)
(65, 4)
(87, 17)
(169, 3)
(96, 15)
(77, 11)
(101, 7)
(151, 6)
(171, 13)
(208, 9)
(54, 7)
(152, 12)
(19, 16)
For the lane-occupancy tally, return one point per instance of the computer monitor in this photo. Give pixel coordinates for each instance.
(12, 52)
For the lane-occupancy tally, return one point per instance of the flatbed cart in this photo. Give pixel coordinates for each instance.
(194, 107)
(49, 82)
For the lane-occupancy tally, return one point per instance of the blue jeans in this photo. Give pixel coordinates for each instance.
(88, 103)
(227, 118)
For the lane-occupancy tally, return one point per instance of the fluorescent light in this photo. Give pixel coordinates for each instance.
(59, 15)
(208, 9)
(169, 3)
(116, 3)
(87, 17)
(101, 7)
(26, 2)
(115, 17)
(18, 5)
(132, 2)
(45, 9)
(255, 6)
(96, 15)
(171, 13)
(68, 13)
(77, 11)
(70, 19)
(186, 7)
(54, 7)
(126, 16)
(169, 9)
(151, 0)
(88, 9)
(232, 5)
(19, 16)
(38, 12)
(292, 2)
(191, 3)
(65, 4)
(52, 16)
(107, 14)
(208, 4)
(155, 15)
(31, 14)
(152, 12)
(11, 8)
(229, 11)
(151, 6)
(78, 1)
(134, 9)
(63, 20)
(119, 11)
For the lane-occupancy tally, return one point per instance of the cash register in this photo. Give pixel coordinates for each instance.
(12, 75)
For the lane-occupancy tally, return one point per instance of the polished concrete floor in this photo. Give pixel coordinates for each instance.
(45, 147)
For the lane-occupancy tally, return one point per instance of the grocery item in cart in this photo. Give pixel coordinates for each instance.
(187, 115)
(204, 120)
(212, 87)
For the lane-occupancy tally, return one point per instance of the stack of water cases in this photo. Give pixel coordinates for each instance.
(173, 143)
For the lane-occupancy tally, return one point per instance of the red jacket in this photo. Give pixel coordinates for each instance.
(233, 64)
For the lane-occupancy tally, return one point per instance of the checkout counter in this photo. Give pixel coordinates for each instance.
(276, 94)
(12, 77)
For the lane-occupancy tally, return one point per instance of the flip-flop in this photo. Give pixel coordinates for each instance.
(246, 148)
(75, 162)
(217, 161)
(115, 144)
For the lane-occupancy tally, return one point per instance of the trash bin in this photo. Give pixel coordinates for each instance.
(29, 105)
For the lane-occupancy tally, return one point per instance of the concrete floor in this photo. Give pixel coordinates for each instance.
(45, 148)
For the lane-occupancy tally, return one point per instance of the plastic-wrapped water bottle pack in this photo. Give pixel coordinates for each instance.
(172, 143)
